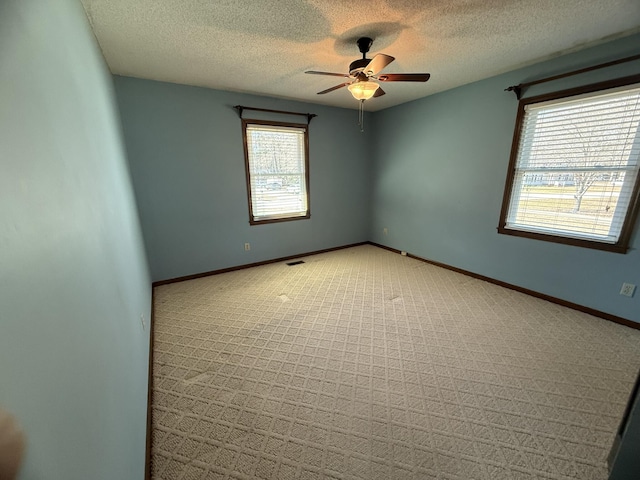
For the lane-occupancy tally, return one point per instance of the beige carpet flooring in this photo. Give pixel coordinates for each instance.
(363, 364)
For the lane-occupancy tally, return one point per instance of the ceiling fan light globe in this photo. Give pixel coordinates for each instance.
(363, 90)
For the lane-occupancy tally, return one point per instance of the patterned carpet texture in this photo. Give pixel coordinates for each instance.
(364, 364)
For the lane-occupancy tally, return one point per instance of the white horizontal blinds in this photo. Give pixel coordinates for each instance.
(577, 164)
(277, 171)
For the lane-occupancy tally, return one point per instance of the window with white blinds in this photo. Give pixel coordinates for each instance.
(277, 167)
(574, 177)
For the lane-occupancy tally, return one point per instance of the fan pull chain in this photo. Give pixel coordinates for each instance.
(361, 115)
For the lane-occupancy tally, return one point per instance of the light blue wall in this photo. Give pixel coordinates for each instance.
(436, 166)
(440, 168)
(73, 274)
(185, 149)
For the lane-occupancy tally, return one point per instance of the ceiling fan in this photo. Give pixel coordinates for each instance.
(364, 72)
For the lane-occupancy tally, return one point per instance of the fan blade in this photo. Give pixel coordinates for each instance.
(327, 73)
(334, 88)
(377, 63)
(404, 77)
(379, 92)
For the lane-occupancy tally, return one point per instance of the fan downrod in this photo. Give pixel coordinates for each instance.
(356, 67)
(364, 44)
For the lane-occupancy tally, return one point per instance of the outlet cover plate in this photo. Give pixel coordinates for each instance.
(628, 289)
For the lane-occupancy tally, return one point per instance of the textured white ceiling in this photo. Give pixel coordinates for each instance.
(264, 46)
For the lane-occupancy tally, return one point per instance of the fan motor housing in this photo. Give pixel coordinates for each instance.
(358, 65)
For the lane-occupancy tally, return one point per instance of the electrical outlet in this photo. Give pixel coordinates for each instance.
(144, 324)
(403, 253)
(627, 289)
(385, 231)
(247, 247)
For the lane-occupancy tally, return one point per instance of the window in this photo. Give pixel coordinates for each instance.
(277, 166)
(573, 175)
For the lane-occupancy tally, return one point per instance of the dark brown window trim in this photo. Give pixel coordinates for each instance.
(303, 126)
(280, 220)
(622, 245)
